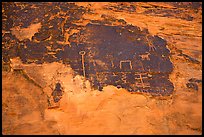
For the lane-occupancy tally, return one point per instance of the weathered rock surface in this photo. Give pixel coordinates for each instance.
(38, 49)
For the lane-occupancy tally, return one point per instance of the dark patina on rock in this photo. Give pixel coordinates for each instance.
(124, 55)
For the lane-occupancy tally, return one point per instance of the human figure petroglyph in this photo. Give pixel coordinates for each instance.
(57, 93)
(151, 46)
(62, 24)
(112, 64)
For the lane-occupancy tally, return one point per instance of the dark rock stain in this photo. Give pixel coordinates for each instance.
(123, 56)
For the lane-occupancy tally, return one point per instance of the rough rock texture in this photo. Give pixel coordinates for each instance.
(34, 60)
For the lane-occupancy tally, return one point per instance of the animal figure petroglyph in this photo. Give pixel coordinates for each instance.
(145, 56)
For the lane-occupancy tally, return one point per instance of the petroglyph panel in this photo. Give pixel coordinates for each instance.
(121, 55)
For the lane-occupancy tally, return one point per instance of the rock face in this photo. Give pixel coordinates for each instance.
(63, 54)
(123, 56)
